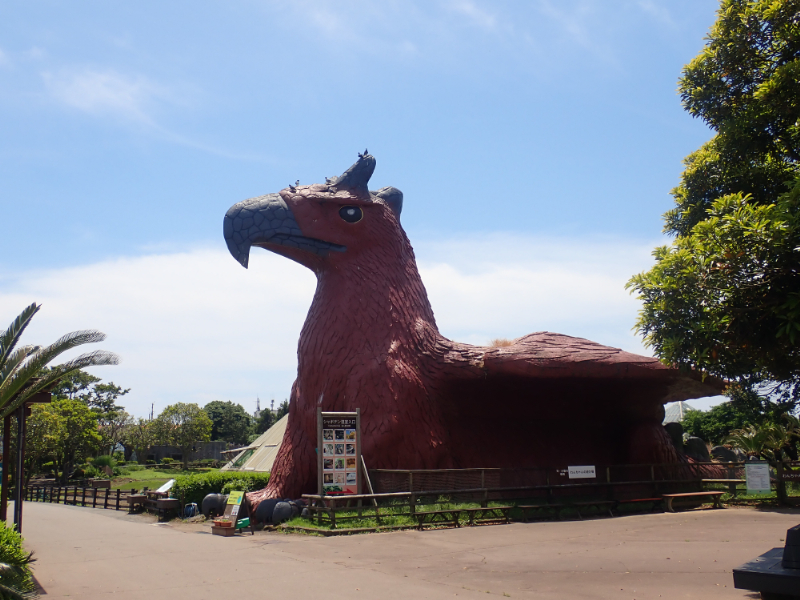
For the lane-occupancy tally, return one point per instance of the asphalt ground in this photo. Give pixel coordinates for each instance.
(98, 554)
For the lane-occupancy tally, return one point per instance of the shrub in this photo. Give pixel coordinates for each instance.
(150, 461)
(238, 485)
(104, 461)
(92, 471)
(79, 473)
(166, 461)
(132, 468)
(18, 576)
(195, 487)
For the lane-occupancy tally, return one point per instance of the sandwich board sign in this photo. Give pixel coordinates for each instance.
(233, 505)
(339, 452)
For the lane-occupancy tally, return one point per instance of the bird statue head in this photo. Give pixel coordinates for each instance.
(319, 225)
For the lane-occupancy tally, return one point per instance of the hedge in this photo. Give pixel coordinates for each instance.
(195, 487)
(18, 576)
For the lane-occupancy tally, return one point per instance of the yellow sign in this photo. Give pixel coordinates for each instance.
(235, 498)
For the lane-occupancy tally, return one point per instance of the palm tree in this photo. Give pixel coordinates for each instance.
(22, 369)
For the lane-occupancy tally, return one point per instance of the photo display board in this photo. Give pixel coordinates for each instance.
(339, 452)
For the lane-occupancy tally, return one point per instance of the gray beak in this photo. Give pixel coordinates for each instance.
(267, 219)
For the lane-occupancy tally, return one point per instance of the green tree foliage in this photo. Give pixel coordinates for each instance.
(230, 422)
(716, 424)
(75, 384)
(75, 432)
(181, 425)
(139, 435)
(725, 296)
(264, 421)
(22, 368)
(102, 399)
(283, 409)
(42, 438)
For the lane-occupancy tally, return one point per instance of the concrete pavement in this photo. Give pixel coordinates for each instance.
(91, 554)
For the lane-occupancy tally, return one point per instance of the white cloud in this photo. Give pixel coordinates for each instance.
(474, 13)
(106, 92)
(657, 11)
(194, 326)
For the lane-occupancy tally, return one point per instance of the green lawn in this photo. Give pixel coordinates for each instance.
(151, 478)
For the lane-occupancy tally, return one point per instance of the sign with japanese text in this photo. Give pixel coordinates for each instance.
(757, 476)
(339, 452)
(582, 472)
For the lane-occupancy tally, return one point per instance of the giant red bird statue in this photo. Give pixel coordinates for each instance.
(370, 341)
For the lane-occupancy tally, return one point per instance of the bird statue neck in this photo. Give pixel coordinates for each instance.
(368, 304)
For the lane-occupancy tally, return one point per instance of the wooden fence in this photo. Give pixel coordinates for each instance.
(80, 496)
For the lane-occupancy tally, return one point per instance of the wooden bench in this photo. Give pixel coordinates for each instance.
(162, 506)
(438, 516)
(715, 496)
(136, 501)
(496, 513)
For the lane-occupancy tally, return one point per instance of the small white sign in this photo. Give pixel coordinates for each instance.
(582, 472)
(757, 476)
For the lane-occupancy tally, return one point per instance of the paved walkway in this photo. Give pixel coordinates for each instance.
(92, 554)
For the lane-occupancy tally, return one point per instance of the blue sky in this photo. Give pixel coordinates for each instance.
(535, 142)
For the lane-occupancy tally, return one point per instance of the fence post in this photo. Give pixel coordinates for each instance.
(75, 495)
(94, 497)
(105, 502)
(412, 507)
(83, 497)
(333, 513)
(117, 499)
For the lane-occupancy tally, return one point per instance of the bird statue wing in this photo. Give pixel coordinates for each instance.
(546, 355)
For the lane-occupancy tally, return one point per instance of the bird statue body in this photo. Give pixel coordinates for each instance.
(370, 341)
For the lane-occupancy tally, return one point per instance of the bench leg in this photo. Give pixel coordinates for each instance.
(669, 505)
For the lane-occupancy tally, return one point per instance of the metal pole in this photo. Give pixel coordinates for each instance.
(20, 475)
(6, 468)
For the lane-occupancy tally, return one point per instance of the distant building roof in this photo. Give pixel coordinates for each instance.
(260, 455)
(675, 411)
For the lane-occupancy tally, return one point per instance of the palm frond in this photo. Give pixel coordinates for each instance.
(8, 592)
(34, 385)
(14, 384)
(11, 335)
(15, 359)
(14, 575)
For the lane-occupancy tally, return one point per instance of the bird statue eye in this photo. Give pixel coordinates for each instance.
(351, 214)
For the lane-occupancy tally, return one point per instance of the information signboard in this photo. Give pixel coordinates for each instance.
(582, 472)
(757, 476)
(339, 452)
(233, 505)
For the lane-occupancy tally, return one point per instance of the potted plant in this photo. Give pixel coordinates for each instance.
(223, 522)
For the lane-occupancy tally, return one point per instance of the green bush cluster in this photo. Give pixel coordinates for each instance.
(18, 576)
(166, 460)
(239, 485)
(103, 461)
(195, 487)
